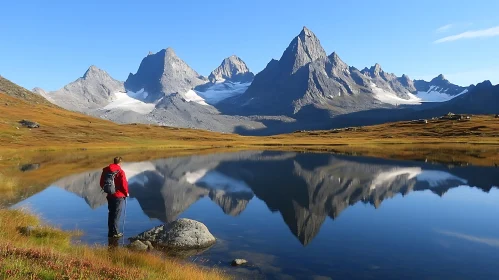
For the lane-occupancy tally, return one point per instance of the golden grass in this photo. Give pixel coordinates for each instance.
(47, 253)
(474, 141)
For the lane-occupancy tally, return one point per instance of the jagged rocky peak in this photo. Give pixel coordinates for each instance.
(440, 77)
(231, 203)
(302, 50)
(232, 69)
(337, 62)
(407, 82)
(94, 81)
(440, 81)
(374, 71)
(169, 52)
(94, 72)
(484, 85)
(163, 73)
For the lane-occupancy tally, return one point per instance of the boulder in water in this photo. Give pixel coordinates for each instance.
(182, 234)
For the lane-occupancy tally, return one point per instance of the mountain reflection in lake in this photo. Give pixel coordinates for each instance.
(338, 210)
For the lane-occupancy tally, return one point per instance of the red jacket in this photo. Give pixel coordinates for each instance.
(119, 181)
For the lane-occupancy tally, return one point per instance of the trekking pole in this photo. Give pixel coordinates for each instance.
(124, 219)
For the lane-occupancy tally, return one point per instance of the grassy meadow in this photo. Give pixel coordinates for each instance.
(48, 253)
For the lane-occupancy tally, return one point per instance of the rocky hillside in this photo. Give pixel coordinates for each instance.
(94, 90)
(9, 88)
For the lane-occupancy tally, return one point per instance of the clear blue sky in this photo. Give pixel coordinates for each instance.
(51, 43)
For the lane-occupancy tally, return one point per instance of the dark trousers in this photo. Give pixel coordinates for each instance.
(114, 205)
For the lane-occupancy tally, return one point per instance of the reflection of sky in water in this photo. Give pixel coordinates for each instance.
(420, 234)
(68, 211)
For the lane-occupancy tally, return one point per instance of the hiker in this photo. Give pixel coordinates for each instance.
(113, 182)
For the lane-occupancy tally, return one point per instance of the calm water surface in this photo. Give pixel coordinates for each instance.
(305, 216)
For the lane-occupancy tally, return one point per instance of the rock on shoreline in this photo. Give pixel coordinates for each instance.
(182, 234)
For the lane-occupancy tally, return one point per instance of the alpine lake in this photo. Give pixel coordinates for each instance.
(293, 215)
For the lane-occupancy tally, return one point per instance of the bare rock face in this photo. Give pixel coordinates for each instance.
(163, 73)
(232, 69)
(95, 89)
(389, 82)
(182, 234)
(304, 49)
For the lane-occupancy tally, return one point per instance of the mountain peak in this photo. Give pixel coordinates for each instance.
(169, 52)
(484, 84)
(233, 69)
(94, 72)
(233, 59)
(163, 73)
(376, 69)
(302, 50)
(407, 83)
(334, 56)
(440, 79)
(337, 62)
(306, 32)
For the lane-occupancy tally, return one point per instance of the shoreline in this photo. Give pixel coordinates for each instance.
(36, 250)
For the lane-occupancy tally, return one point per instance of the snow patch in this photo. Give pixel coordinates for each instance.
(436, 94)
(216, 180)
(220, 91)
(128, 101)
(193, 177)
(135, 172)
(434, 178)
(391, 98)
(191, 96)
(388, 177)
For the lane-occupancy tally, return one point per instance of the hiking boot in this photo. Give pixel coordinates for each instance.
(118, 235)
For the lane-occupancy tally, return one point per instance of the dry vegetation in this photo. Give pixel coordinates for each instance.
(47, 253)
(474, 141)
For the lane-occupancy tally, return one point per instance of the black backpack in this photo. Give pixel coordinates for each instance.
(109, 186)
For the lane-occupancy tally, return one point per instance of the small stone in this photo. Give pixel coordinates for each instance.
(29, 167)
(137, 245)
(238, 262)
(29, 124)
